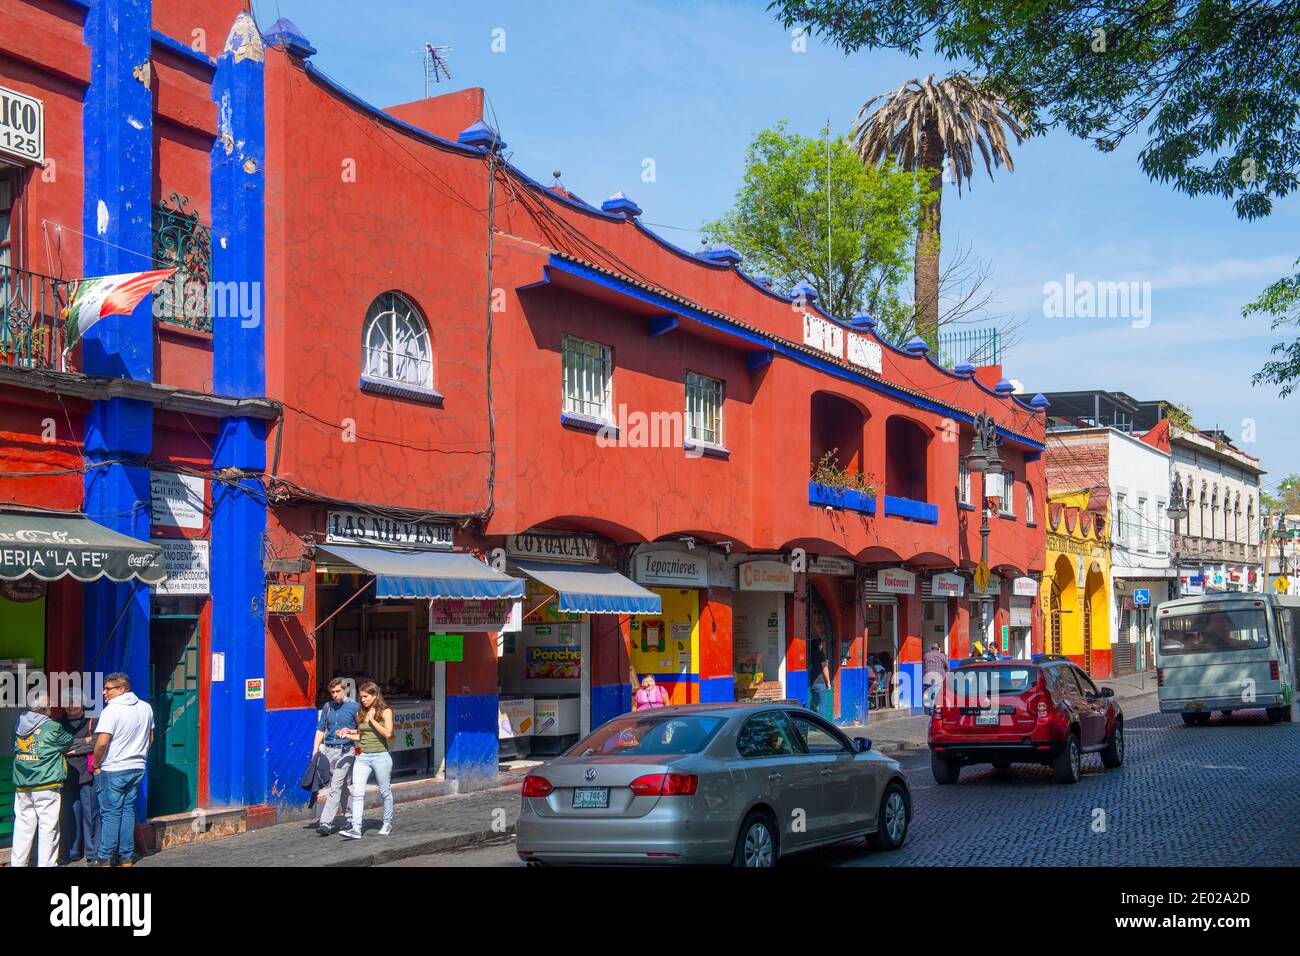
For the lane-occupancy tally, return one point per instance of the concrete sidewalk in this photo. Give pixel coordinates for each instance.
(419, 827)
(892, 731)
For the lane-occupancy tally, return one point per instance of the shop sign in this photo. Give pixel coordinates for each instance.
(947, 585)
(464, 614)
(1024, 587)
(765, 576)
(176, 500)
(541, 546)
(285, 598)
(823, 335)
(672, 569)
(355, 527)
(831, 565)
(447, 647)
(254, 689)
(22, 591)
(992, 586)
(1006, 638)
(22, 126)
(412, 727)
(896, 581)
(553, 662)
(187, 562)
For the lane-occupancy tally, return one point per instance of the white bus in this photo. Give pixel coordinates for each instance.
(1227, 652)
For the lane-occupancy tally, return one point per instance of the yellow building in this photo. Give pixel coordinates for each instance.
(1076, 588)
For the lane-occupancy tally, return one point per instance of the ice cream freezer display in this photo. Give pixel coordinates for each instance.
(557, 724)
(540, 679)
(515, 726)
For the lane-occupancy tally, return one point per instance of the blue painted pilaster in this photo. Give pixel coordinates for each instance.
(117, 118)
(238, 742)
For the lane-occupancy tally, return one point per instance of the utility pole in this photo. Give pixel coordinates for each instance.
(1268, 556)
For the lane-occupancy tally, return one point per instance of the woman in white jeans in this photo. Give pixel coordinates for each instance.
(373, 732)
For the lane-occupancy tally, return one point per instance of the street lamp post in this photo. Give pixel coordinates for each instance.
(984, 459)
(1281, 542)
(1176, 511)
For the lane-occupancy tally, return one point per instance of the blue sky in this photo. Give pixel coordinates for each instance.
(595, 87)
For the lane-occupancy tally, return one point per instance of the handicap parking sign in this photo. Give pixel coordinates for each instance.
(1141, 597)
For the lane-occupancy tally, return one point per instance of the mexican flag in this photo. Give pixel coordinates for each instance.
(94, 298)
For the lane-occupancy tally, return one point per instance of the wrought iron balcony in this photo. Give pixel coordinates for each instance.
(32, 325)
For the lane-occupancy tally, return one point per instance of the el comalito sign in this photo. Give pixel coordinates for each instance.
(22, 126)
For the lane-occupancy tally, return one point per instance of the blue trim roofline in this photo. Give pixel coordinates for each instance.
(763, 341)
(181, 50)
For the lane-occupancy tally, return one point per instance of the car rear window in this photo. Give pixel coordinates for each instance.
(650, 736)
(1011, 679)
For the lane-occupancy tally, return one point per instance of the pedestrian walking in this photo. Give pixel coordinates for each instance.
(649, 695)
(935, 662)
(373, 732)
(79, 816)
(819, 673)
(338, 714)
(123, 737)
(39, 772)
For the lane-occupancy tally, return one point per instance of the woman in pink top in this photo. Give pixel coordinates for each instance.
(650, 695)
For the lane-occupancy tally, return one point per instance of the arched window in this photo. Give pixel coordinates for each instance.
(395, 343)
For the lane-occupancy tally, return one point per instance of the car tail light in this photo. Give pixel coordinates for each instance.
(1160, 677)
(536, 786)
(665, 785)
(1272, 670)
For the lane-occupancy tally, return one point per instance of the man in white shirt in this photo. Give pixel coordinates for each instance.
(122, 740)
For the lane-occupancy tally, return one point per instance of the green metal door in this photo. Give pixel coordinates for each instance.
(174, 693)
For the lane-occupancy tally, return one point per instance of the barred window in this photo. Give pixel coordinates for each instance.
(1029, 505)
(703, 409)
(963, 481)
(395, 342)
(588, 378)
(1008, 503)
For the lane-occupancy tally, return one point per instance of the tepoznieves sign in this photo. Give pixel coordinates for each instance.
(22, 127)
(672, 569)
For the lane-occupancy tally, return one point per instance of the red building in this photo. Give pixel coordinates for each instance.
(412, 356)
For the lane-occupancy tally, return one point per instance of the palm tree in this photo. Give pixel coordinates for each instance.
(921, 124)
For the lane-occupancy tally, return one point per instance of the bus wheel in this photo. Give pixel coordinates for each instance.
(1277, 714)
(1196, 719)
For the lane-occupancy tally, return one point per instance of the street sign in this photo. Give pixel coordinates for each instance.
(981, 576)
(1282, 584)
(1141, 597)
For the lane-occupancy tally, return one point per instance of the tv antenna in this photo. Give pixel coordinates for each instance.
(435, 65)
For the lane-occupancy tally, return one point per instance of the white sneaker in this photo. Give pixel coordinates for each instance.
(351, 834)
(386, 829)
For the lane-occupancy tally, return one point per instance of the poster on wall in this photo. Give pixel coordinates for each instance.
(412, 727)
(465, 614)
(553, 662)
(187, 561)
(176, 501)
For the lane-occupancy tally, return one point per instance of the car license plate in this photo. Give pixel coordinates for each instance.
(987, 720)
(590, 798)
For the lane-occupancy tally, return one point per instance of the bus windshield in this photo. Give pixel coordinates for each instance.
(1212, 631)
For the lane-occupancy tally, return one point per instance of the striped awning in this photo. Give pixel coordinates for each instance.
(414, 573)
(584, 589)
(51, 546)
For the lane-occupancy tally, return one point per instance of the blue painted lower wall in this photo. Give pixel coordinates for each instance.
(911, 688)
(796, 686)
(289, 735)
(609, 701)
(472, 742)
(853, 695)
(717, 690)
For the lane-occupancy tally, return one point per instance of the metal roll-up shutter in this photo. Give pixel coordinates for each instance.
(869, 592)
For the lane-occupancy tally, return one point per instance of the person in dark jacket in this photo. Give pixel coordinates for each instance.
(79, 813)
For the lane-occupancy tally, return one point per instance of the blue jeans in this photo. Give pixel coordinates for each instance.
(80, 821)
(819, 695)
(382, 765)
(117, 791)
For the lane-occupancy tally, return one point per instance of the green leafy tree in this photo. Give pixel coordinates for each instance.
(1281, 303)
(1287, 500)
(1214, 82)
(779, 224)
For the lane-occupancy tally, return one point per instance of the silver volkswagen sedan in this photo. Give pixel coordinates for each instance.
(711, 783)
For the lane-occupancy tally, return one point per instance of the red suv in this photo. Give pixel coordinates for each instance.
(1045, 711)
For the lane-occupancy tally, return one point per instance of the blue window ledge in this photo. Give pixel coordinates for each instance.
(587, 423)
(965, 507)
(704, 449)
(414, 393)
(911, 510)
(1008, 515)
(846, 498)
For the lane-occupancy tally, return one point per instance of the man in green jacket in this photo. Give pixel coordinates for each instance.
(39, 770)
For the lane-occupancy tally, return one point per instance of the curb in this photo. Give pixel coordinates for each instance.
(436, 844)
